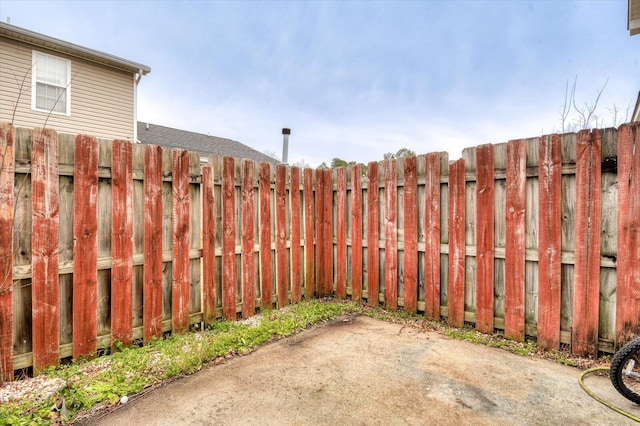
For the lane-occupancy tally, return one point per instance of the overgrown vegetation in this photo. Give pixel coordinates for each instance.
(102, 382)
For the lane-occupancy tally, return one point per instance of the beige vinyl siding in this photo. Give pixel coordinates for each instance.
(101, 97)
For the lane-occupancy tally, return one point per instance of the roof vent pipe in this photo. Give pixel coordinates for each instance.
(285, 145)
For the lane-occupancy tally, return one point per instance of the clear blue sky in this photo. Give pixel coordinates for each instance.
(358, 79)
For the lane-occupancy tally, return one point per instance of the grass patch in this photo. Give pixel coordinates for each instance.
(105, 380)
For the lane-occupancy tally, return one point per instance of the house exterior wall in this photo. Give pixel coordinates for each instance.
(102, 98)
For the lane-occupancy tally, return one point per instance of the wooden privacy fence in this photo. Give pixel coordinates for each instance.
(104, 241)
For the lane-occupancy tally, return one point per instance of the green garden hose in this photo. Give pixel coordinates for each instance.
(600, 400)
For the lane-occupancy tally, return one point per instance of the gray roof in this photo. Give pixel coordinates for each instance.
(204, 144)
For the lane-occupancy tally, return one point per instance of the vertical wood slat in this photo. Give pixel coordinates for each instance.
(296, 251)
(319, 266)
(341, 232)
(587, 261)
(7, 167)
(328, 233)
(484, 234)
(152, 286)
(266, 276)
(208, 247)
(515, 240)
(356, 232)
(373, 254)
(432, 236)
(282, 270)
(309, 245)
(549, 241)
(45, 248)
(228, 239)
(180, 254)
(122, 242)
(248, 239)
(456, 242)
(390, 236)
(85, 248)
(628, 278)
(410, 235)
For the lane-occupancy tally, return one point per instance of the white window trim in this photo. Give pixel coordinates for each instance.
(34, 82)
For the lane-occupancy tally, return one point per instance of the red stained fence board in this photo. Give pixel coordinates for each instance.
(85, 247)
(122, 242)
(266, 276)
(456, 243)
(282, 270)
(628, 278)
(356, 233)
(484, 235)
(390, 236)
(515, 240)
(320, 230)
(7, 158)
(341, 232)
(181, 279)
(228, 239)
(248, 239)
(328, 233)
(309, 244)
(208, 247)
(432, 237)
(296, 251)
(587, 261)
(373, 254)
(410, 235)
(152, 287)
(45, 248)
(549, 243)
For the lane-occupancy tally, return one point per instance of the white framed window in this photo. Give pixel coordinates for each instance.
(51, 84)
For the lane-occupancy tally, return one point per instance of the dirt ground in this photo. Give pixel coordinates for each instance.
(362, 371)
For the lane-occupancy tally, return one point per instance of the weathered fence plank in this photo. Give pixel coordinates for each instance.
(356, 232)
(373, 253)
(85, 259)
(208, 247)
(485, 238)
(122, 243)
(328, 233)
(515, 240)
(282, 270)
(309, 245)
(152, 286)
(266, 276)
(628, 276)
(549, 249)
(341, 232)
(228, 239)
(432, 236)
(248, 239)
(390, 236)
(587, 255)
(180, 254)
(44, 246)
(7, 201)
(410, 235)
(456, 242)
(296, 251)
